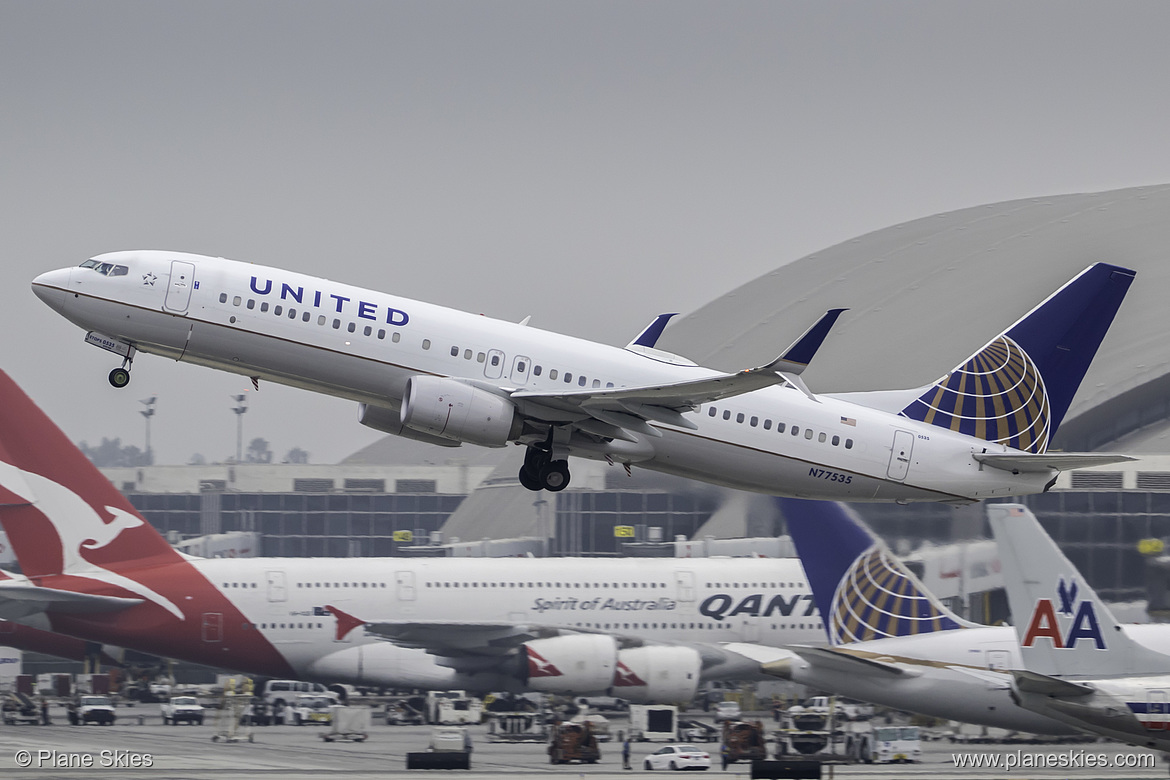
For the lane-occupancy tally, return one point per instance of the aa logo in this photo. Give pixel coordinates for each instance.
(1045, 622)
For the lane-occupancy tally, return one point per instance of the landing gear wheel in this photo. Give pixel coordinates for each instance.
(528, 479)
(119, 377)
(554, 475)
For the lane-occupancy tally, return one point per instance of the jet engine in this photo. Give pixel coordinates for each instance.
(657, 674)
(578, 664)
(455, 410)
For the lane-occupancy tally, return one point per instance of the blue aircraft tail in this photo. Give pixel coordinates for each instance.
(1016, 390)
(861, 590)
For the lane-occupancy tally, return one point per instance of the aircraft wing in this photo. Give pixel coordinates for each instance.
(632, 407)
(1048, 686)
(18, 600)
(1048, 461)
(843, 662)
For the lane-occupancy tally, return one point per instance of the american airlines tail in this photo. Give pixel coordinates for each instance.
(861, 590)
(1016, 390)
(1064, 628)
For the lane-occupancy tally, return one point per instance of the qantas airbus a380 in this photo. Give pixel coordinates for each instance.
(448, 377)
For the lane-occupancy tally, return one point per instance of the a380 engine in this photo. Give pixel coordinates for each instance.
(458, 411)
(657, 674)
(577, 664)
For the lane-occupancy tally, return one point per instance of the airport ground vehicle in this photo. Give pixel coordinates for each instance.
(894, 744)
(600, 703)
(743, 741)
(727, 710)
(182, 709)
(453, 707)
(573, 742)
(653, 722)
(310, 709)
(20, 708)
(678, 757)
(92, 709)
(286, 691)
(449, 748)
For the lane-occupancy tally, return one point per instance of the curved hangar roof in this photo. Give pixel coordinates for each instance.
(926, 294)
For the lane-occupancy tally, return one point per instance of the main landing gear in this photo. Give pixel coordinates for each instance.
(540, 472)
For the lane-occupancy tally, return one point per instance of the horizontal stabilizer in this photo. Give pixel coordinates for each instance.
(1024, 463)
(1031, 682)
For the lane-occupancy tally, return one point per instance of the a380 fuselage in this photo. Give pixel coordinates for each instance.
(362, 345)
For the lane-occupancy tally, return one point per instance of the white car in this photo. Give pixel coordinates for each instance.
(727, 710)
(678, 757)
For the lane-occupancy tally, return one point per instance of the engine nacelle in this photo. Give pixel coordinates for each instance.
(390, 421)
(657, 674)
(455, 410)
(578, 664)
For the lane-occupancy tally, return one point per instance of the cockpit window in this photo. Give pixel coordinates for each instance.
(106, 269)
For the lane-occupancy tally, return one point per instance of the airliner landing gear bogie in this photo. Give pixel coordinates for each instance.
(120, 377)
(540, 472)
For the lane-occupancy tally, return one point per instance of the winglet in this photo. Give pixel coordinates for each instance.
(345, 621)
(797, 357)
(652, 332)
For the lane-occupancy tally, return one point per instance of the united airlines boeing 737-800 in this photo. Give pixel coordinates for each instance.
(449, 377)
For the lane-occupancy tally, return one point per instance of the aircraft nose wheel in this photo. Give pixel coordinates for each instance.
(119, 377)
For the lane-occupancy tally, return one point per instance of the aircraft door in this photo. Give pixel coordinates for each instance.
(749, 631)
(277, 588)
(405, 585)
(684, 585)
(520, 368)
(180, 286)
(999, 660)
(493, 367)
(212, 626)
(1156, 710)
(900, 455)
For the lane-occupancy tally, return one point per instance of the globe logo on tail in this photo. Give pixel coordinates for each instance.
(998, 395)
(878, 598)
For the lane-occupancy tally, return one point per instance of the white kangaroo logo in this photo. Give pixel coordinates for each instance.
(77, 526)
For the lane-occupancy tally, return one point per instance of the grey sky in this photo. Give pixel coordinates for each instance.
(589, 163)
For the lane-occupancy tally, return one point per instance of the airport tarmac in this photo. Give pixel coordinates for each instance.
(152, 750)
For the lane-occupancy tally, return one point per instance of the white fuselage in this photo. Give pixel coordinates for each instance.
(958, 675)
(668, 601)
(364, 345)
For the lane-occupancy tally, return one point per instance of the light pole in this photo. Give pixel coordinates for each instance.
(148, 412)
(240, 407)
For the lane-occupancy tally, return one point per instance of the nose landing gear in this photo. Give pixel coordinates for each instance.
(120, 377)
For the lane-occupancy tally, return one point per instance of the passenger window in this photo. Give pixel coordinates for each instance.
(307, 316)
(780, 427)
(581, 381)
(739, 417)
(264, 306)
(836, 440)
(568, 377)
(726, 414)
(808, 432)
(223, 297)
(767, 425)
(237, 301)
(552, 373)
(495, 360)
(609, 384)
(711, 411)
(596, 383)
(367, 331)
(795, 430)
(536, 370)
(337, 324)
(426, 344)
(467, 355)
(480, 358)
(278, 310)
(381, 335)
(454, 351)
(849, 444)
(292, 314)
(396, 337)
(321, 320)
(251, 303)
(351, 327)
(754, 421)
(821, 438)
